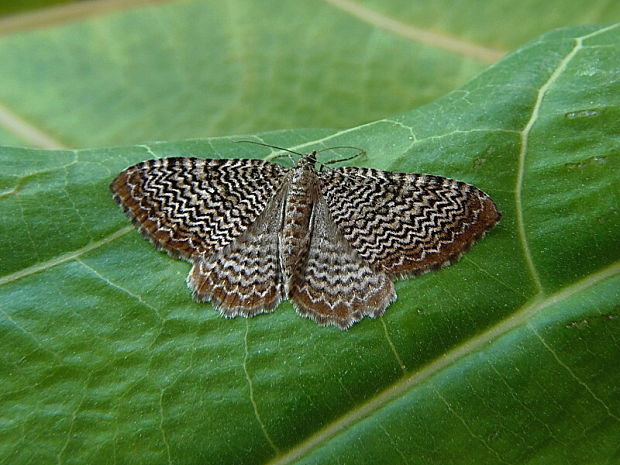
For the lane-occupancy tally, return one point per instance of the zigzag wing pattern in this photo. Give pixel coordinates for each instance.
(244, 278)
(406, 224)
(337, 286)
(192, 207)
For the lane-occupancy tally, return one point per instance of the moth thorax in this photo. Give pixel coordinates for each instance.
(295, 236)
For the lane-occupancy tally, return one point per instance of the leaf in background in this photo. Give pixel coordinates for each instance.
(502, 24)
(196, 69)
(511, 355)
(25, 5)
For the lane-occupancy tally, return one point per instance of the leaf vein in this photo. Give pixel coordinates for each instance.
(422, 36)
(121, 288)
(516, 319)
(73, 418)
(63, 258)
(26, 131)
(30, 335)
(467, 427)
(524, 405)
(402, 366)
(161, 425)
(572, 373)
(251, 389)
(524, 137)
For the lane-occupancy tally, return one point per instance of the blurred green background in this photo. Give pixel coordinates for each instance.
(118, 72)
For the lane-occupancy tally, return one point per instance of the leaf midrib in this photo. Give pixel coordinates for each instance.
(28, 132)
(423, 36)
(64, 13)
(523, 149)
(519, 317)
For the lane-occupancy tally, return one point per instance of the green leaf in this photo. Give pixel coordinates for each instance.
(202, 69)
(26, 5)
(510, 355)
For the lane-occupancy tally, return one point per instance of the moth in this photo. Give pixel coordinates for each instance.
(331, 241)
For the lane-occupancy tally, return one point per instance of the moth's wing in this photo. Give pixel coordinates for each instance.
(191, 207)
(406, 224)
(245, 277)
(336, 286)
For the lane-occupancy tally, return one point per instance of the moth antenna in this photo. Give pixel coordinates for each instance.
(269, 145)
(331, 162)
(359, 153)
